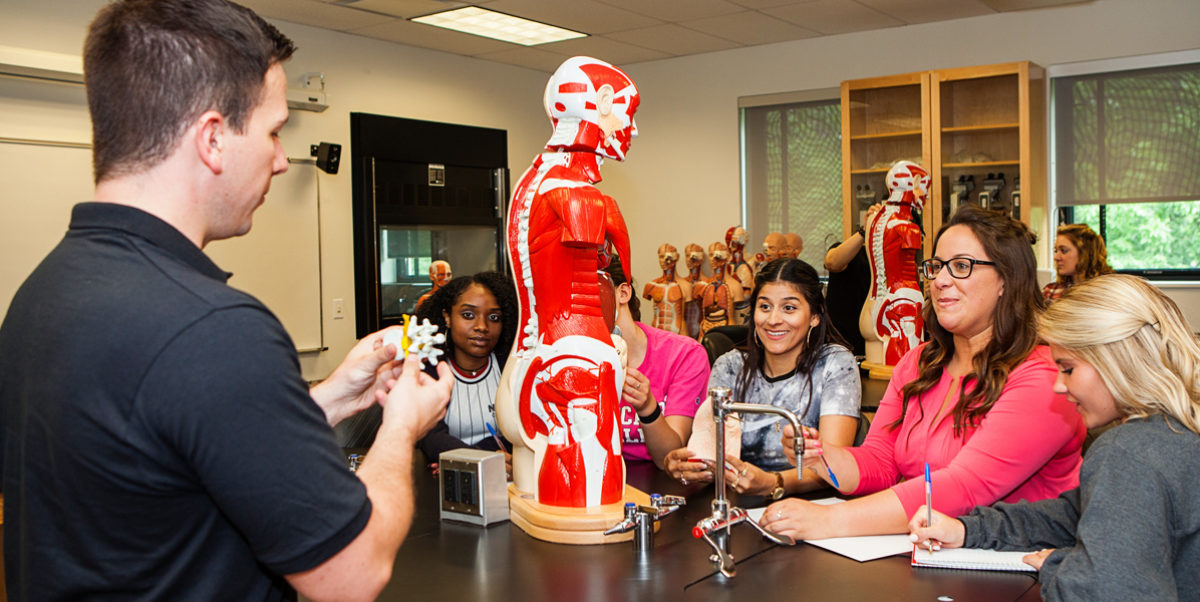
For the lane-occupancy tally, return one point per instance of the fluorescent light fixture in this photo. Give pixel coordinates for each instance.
(498, 26)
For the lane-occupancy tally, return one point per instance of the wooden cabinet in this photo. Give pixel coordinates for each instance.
(980, 131)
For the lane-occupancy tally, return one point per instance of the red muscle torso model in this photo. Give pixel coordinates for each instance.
(562, 380)
(893, 242)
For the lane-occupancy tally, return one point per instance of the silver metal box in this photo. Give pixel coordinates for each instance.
(473, 486)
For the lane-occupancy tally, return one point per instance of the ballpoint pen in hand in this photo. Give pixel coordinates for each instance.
(499, 443)
(832, 477)
(928, 504)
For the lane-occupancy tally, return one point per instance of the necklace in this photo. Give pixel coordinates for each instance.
(471, 373)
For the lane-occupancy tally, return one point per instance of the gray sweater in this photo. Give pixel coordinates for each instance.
(1130, 531)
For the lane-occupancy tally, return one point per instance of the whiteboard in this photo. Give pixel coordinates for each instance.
(278, 262)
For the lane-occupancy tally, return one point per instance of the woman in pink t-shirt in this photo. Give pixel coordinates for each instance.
(1001, 436)
(665, 380)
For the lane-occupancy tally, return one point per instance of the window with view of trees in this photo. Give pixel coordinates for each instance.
(1127, 163)
(792, 174)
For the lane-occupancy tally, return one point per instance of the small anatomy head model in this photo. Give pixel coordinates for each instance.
(591, 105)
(668, 257)
(908, 184)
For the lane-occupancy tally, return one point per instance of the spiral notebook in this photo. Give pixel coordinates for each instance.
(972, 559)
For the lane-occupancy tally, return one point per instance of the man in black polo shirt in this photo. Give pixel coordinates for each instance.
(159, 442)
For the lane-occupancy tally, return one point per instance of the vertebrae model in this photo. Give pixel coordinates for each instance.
(891, 317)
(560, 390)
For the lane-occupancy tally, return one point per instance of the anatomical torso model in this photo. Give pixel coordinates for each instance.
(561, 387)
(668, 293)
(891, 317)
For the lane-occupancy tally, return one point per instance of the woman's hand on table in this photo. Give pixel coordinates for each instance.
(800, 519)
(945, 532)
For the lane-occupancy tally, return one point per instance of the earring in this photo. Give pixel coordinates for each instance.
(808, 339)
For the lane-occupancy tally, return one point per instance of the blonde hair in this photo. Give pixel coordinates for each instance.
(1138, 341)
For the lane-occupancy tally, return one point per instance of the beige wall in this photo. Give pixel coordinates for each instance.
(681, 183)
(362, 75)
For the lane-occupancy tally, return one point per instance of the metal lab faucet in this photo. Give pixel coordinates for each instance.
(716, 528)
(641, 519)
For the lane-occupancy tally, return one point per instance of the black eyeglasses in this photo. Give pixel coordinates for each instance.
(960, 267)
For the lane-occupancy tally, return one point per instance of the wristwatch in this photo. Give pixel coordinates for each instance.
(778, 491)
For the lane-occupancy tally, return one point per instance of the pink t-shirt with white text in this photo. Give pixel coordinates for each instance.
(677, 368)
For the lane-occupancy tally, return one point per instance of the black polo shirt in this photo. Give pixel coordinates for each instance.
(159, 441)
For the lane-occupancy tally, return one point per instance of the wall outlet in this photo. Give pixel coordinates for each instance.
(339, 309)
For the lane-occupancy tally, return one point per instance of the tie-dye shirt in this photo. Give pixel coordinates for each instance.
(836, 390)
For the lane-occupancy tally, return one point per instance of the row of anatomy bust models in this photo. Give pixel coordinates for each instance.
(695, 303)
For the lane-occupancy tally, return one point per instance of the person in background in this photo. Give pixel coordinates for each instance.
(159, 440)
(1131, 530)
(439, 274)
(974, 403)
(479, 316)
(665, 379)
(794, 359)
(1079, 254)
(849, 282)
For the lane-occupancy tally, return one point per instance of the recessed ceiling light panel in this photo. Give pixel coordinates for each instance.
(498, 26)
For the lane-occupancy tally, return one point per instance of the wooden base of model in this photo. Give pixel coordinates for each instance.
(578, 526)
(877, 371)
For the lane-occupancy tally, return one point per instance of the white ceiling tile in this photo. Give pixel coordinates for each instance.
(587, 16)
(605, 49)
(1011, 5)
(750, 28)
(673, 39)
(314, 13)
(434, 38)
(677, 10)
(403, 8)
(761, 4)
(928, 11)
(832, 17)
(528, 57)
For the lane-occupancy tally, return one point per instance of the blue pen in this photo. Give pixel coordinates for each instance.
(832, 478)
(492, 430)
(928, 503)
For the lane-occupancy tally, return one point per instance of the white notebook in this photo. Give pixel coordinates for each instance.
(974, 559)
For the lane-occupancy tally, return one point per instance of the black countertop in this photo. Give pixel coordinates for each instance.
(452, 561)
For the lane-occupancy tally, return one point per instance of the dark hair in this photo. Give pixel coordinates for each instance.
(1009, 243)
(805, 280)
(443, 300)
(1093, 256)
(151, 67)
(616, 271)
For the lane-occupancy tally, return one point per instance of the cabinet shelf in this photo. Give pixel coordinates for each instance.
(973, 129)
(889, 135)
(980, 164)
(973, 120)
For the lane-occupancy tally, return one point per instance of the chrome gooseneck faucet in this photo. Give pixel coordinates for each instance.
(716, 528)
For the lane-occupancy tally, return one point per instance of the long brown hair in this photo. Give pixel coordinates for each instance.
(1093, 256)
(804, 279)
(1014, 332)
